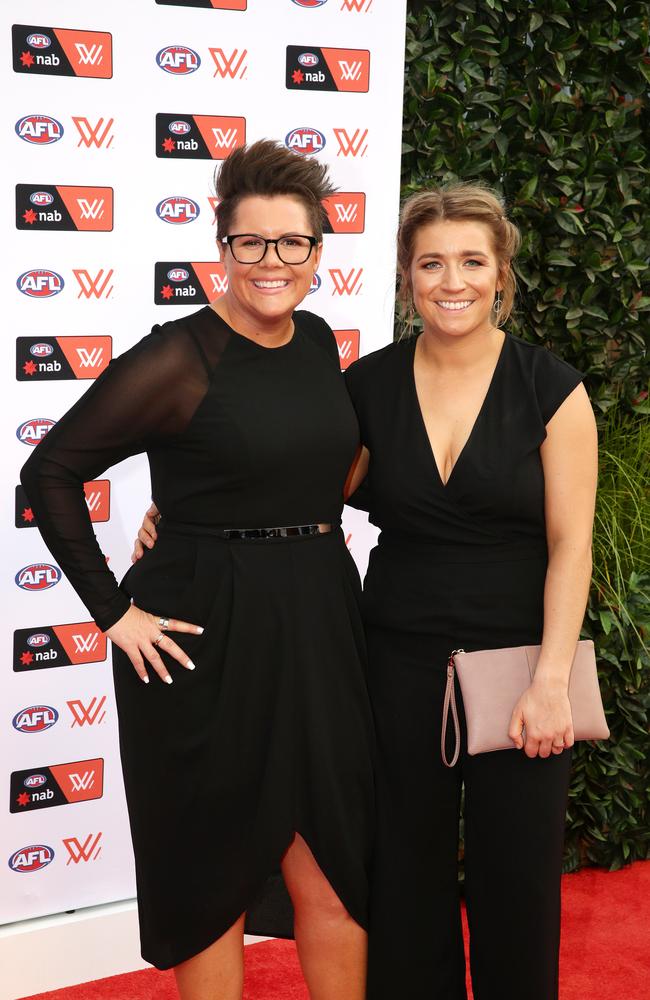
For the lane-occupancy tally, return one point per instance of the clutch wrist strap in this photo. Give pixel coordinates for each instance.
(449, 704)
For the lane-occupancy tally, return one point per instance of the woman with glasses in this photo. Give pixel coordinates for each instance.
(245, 728)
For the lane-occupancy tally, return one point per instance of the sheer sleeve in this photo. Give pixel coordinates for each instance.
(143, 397)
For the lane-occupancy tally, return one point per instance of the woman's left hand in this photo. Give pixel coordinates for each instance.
(544, 712)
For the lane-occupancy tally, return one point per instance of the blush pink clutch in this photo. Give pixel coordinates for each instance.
(492, 682)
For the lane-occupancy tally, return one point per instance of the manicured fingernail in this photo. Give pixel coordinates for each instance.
(199, 630)
(168, 679)
(190, 665)
(145, 679)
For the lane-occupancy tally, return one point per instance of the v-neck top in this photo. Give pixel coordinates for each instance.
(495, 492)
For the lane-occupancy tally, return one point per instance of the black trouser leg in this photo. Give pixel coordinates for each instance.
(514, 831)
(415, 939)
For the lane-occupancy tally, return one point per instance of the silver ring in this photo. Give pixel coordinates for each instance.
(159, 639)
(163, 623)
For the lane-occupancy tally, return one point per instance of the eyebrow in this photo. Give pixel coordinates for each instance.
(463, 253)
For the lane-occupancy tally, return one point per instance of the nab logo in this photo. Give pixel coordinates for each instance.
(178, 60)
(37, 576)
(49, 646)
(177, 210)
(231, 66)
(89, 850)
(40, 283)
(320, 68)
(94, 135)
(348, 345)
(35, 719)
(33, 431)
(99, 287)
(346, 284)
(352, 144)
(41, 198)
(316, 282)
(31, 859)
(40, 130)
(305, 140)
(87, 714)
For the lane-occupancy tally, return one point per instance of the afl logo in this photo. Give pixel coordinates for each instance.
(41, 198)
(40, 283)
(38, 639)
(316, 282)
(35, 719)
(41, 350)
(37, 576)
(179, 127)
(38, 41)
(305, 141)
(34, 781)
(310, 3)
(31, 859)
(308, 59)
(33, 431)
(40, 130)
(178, 274)
(177, 210)
(178, 60)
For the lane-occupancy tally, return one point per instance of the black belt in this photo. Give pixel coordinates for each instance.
(248, 534)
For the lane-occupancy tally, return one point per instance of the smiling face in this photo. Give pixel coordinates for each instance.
(265, 294)
(455, 277)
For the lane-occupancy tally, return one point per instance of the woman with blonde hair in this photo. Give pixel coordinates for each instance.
(481, 477)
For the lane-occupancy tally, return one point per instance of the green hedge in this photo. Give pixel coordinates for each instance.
(549, 103)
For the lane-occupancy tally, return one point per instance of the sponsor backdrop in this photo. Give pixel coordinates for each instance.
(116, 117)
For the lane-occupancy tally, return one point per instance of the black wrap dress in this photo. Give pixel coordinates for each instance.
(272, 732)
(458, 565)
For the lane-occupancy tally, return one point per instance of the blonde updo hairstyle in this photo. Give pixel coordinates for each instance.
(459, 203)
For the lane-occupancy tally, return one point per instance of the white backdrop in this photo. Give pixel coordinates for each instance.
(114, 121)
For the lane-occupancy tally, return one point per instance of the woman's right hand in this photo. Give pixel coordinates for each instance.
(137, 632)
(147, 533)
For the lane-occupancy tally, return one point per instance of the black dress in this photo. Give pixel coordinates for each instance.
(272, 732)
(460, 565)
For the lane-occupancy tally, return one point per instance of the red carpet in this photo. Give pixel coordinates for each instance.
(605, 950)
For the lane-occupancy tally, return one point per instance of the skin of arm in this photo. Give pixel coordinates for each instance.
(570, 462)
(358, 472)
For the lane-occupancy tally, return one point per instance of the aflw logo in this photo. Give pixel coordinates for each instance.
(361, 6)
(348, 345)
(350, 70)
(82, 782)
(90, 359)
(346, 284)
(219, 284)
(225, 138)
(93, 500)
(352, 145)
(229, 66)
(88, 851)
(85, 643)
(82, 715)
(91, 210)
(97, 287)
(94, 135)
(346, 213)
(92, 55)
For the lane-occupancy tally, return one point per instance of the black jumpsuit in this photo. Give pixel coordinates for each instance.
(272, 732)
(460, 565)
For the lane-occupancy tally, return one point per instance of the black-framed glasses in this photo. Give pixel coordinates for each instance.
(250, 248)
